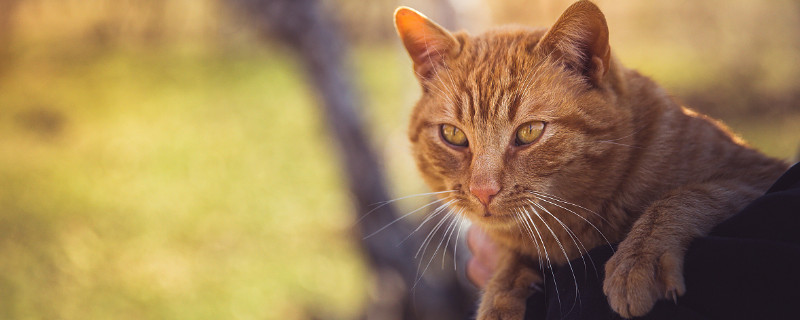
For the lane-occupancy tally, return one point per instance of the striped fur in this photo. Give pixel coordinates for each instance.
(618, 160)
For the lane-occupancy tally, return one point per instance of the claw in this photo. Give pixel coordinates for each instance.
(672, 294)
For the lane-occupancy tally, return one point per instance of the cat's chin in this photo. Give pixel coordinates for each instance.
(492, 220)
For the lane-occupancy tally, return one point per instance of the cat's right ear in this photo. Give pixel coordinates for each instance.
(427, 43)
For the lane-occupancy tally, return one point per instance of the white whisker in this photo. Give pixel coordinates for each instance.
(458, 233)
(425, 244)
(572, 235)
(435, 69)
(564, 251)
(529, 232)
(578, 245)
(405, 215)
(439, 92)
(625, 136)
(620, 144)
(433, 214)
(555, 198)
(579, 216)
(435, 251)
(546, 255)
(456, 219)
(428, 238)
(384, 203)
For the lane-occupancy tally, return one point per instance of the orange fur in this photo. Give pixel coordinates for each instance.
(635, 165)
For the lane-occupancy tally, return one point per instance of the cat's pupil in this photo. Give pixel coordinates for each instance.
(529, 132)
(453, 135)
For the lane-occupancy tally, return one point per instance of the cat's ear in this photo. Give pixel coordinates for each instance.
(427, 43)
(580, 40)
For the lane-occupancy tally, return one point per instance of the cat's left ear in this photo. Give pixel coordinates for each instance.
(428, 44)
(580, 40)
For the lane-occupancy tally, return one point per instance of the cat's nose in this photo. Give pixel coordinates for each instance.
(484, 190)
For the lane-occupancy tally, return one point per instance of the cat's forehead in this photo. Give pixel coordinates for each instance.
(500, 52)
(489, 83)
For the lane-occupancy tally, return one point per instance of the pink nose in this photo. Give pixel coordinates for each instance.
(484, 190)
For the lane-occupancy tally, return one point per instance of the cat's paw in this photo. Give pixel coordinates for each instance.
(501, 307)
(636, 279)
(502, 315)
(505, 297)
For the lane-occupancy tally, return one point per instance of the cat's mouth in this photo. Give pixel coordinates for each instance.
(493, 218)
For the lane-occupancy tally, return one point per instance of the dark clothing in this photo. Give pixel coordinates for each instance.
(748, 267)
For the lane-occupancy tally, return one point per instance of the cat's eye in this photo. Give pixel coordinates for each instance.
(529, 132)
(454, 135)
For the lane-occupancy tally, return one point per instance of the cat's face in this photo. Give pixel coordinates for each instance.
(510, 120)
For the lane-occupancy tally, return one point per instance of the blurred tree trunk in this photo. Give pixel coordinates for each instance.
(312, 33)
(7, 9)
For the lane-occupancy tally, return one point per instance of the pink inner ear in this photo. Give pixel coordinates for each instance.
(425, 49)
(428, 55)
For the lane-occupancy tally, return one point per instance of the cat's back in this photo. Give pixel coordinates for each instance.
(676, 146)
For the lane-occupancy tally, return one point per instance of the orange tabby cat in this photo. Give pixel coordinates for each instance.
(546, 141)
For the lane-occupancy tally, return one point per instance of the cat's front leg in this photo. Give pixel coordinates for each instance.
(508, 289)
(648, 264)
(641, 273)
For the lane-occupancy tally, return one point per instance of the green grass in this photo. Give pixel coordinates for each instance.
(178, 184)
(187, 183)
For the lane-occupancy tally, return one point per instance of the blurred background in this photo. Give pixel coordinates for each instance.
(210, 159)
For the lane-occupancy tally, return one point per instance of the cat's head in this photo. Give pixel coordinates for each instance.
(514, 118)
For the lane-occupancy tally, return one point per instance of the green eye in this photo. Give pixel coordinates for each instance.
(454, 135)
(529, 132)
